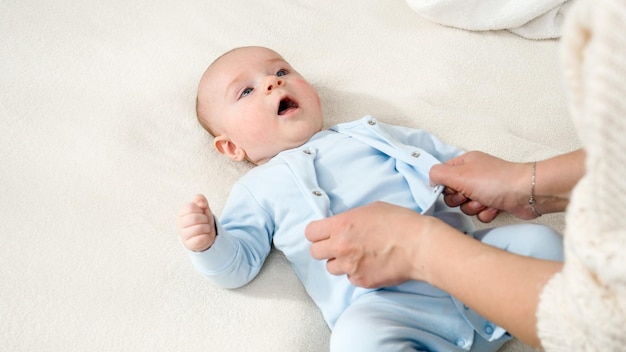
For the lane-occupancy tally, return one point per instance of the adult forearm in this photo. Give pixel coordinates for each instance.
(501, 286)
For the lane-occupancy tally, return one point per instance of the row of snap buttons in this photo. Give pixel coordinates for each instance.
(414, 154)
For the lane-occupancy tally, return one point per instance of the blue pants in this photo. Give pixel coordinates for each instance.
(417, 317)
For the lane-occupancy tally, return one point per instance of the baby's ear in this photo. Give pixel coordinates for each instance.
(226, 147)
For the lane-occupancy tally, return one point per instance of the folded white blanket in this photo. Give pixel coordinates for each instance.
(532, 19)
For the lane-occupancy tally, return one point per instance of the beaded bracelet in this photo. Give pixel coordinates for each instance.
(531, 199)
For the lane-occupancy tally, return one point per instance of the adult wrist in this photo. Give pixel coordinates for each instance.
(433, 240)
(539, 201)
(532, 202)
(423, 244)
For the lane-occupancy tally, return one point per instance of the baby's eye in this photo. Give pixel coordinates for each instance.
(281, 72)
(245, 92)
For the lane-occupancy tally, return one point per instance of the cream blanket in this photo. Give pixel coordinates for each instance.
(100, 147)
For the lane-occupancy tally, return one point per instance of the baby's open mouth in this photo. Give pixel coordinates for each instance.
(286, 105)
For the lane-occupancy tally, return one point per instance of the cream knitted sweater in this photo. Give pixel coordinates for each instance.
(583, 308)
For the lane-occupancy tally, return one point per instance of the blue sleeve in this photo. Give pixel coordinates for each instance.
(244, 239)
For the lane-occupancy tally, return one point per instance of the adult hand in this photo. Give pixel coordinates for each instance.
(483, 185)
(375, 245)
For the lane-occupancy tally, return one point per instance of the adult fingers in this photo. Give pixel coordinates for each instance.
(335, 267)
(454, 199)
(488, 215)
(322, 249)
(317, 230)
(472, 207)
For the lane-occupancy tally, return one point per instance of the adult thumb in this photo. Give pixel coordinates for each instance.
(443, 174)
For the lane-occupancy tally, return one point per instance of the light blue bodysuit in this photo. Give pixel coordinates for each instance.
(350, 165)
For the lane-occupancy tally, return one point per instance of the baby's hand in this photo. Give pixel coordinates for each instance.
(196, 225)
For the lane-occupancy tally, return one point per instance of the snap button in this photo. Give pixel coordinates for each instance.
(317, 193)
(372, 122)
(459, 342)
(488, 328)
(416, 154)
(307, 151)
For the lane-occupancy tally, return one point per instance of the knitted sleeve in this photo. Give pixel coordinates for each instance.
(583, 308)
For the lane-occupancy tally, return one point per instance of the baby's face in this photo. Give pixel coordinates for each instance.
(259, 104)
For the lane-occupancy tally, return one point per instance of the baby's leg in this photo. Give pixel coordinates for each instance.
(403, 321)
(533, 240)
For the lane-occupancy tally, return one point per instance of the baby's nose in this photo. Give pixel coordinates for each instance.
(272, 83)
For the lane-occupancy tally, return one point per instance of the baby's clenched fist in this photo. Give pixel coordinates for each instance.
(196, 225)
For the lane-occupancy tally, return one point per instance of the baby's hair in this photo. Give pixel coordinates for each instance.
(202, 119)
(201, 110)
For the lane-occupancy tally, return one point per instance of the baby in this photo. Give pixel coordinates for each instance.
(258, 108)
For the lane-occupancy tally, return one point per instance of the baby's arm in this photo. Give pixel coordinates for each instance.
(196, 225)
(231, 250)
